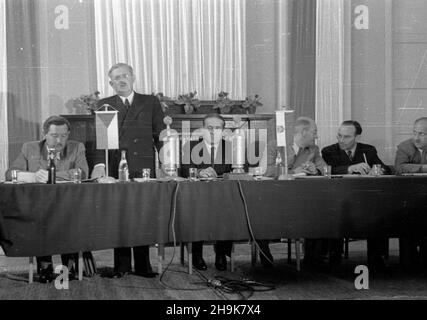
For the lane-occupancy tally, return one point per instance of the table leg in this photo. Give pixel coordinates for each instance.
(80, 265)
(31, 271)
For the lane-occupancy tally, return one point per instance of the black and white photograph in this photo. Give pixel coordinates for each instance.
(215, 157)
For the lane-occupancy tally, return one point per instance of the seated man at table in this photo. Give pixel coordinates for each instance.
(411, 157)
(303, 158)
(210, 157)
(32, 164)
(348, 156)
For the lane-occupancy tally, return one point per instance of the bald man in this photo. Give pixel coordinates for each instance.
(411, 157)
(303, 158)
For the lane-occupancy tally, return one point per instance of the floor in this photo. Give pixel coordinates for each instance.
(283, 282)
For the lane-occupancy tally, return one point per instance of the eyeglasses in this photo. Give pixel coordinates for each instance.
(419, 134)
(124, 76)
(212, 128)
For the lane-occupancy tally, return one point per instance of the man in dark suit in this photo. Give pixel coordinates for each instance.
(348, 156)
(351, 157)
(211, 156)
(140, 121)
(411, 157)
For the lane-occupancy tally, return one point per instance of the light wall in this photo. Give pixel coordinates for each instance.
(67, 55)
(260, 52)
(369, 72)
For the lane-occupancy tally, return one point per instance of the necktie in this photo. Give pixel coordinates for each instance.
(423, 157)
(212, 155)
(350, 156)
(127, 104)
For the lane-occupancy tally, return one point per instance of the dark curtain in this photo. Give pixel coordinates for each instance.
(23, 73)
(303, 55)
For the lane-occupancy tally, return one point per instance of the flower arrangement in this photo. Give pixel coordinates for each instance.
(223, 103)
(164, 100)
(86, 103)
(251, 103)
(189, 102)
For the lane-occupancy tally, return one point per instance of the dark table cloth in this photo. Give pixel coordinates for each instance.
(40, 220)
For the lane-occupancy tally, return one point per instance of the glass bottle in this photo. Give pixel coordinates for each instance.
(123, 168)
(51, 168)
(280, 168)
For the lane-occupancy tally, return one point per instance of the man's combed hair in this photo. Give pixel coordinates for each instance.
(57, 121)
(355, 124)
(216, 116)
(303, 123)
(120, 65)
(422, 119)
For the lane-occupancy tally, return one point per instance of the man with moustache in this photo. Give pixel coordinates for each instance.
(32, 163)
(411, 157)
(140, 121)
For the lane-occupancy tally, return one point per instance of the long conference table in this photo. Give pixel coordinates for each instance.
(38, 220)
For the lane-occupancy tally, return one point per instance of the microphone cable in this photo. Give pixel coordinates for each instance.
(226, 285)
(248, 221)
(172, 224)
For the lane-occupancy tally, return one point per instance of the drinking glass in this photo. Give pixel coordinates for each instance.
(14, 176)
(146, 174)
(376, 170)
(327, 171)
(192, 174)
(77, 176)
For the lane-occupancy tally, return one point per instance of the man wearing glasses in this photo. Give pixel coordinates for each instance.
(211, 156)
(140, 121)
(411, 157)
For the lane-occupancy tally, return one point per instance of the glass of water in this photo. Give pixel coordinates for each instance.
(327, 171)
(146, 174)
(77, 175)
(192, 174)
(376, 170)
(14, 174)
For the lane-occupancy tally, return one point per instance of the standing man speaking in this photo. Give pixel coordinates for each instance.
(140, 121)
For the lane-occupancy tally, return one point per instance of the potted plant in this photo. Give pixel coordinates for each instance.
(251, 103)
(86, 103)
(223, 104)
(190, 103)
(166, 103)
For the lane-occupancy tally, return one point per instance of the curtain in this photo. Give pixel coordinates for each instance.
(303, 57)
(329, 69)
(283, 34)
(3, 93)
(174, 46)
(23, 74)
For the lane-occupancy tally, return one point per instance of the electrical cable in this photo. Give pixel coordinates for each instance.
(248, 221)
(234, 286)
(222, 285)
(172, 224)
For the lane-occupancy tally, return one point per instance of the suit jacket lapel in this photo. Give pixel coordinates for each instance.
(358, 152)
(129, 115)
